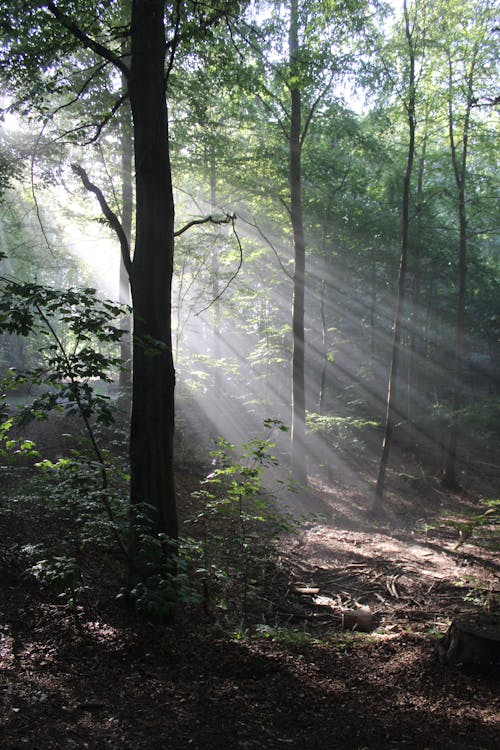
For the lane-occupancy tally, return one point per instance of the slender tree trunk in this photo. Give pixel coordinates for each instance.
(415, 316)
(127, 149)
(459, 164)
(298, 376)
(152, 421)
(215, 276)
(378, 500)
(324, 348)
(373, 304)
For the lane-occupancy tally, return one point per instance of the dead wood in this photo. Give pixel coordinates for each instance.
(471, 642)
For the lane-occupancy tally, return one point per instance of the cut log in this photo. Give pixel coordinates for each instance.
(471, 642)
(361, 619)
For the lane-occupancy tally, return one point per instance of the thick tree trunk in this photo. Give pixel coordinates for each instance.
(298, 354)
(473, 642)
(152, 421)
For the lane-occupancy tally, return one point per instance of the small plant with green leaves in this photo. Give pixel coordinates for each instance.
(82, 524)
(95, 514)
(287, 635)
(76, 335)
(13, 448)
(340, 433)
(60, 573)
(482, 526)
(477, 593)
(54, 568)
(237, 524)
(162, 577)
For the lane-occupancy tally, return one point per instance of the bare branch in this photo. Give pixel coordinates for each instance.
(33, 190)
(212, 219)
(233, 276)
(270, 244)
(175, 40)
(109, 214)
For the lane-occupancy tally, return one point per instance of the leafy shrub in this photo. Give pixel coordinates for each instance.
(237, 525)
(341, 433)
(482, 525)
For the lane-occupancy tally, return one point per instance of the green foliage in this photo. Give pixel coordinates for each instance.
(341, 433)
(85, 491)
(12, 448)
(95, 513)
(482, 525)
(162, 576)
(477, 593)
(482, 417)
(73, 326)
(237, 525)
(60, 573)
(88, 518)
(288, 636)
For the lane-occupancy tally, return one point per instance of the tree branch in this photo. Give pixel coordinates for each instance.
(109, 214)
(233, 275)
(313, 108)
(90, 43)
(270, 244)
(98, 126)
(212, 219)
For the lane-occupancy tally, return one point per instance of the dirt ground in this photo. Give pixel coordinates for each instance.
(101, 677)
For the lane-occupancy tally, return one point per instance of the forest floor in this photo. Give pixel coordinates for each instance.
(100, 677)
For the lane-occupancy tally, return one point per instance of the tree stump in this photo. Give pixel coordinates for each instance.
(471, 643)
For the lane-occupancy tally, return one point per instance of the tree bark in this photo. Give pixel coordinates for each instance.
(459, 164)
(324, 349)
(299, 470)
(378, 500)
(473, 642)
(415, 332)
(152, 420)
(127, 148)
(215, 278)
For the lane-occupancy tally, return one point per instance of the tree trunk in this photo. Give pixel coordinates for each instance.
(324, 349)
(373, 303)
(415, 316)
(215, 277)
(459, 164)
(378, 500)
(298, 377)
(152, 421)
(471, 643)
(127, 148)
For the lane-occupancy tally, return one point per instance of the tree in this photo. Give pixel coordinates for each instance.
(86, 43)
(294, 86)
(298, 351)
(411, 37)
(467, 55)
